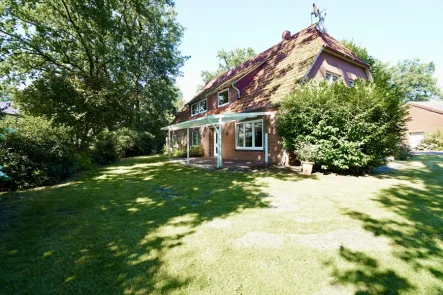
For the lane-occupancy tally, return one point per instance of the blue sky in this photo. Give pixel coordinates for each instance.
(390, 30)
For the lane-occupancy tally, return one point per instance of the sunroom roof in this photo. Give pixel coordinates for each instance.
(214, 119)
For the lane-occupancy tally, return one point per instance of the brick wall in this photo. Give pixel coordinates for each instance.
(423, 121)
(275, 149)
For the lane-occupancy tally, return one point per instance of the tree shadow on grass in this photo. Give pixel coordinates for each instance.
(109, 231)
(415, 228)
(366, 275)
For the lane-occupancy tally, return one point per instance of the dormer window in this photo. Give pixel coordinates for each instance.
(199, 107)
(194, 109)
(202, 105)
(223, 97)
(331, 78)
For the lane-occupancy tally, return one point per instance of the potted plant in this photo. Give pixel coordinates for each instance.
(306, 154)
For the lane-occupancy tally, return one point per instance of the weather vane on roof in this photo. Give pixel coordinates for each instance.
(321, 18)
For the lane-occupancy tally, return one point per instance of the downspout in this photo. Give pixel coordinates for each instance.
(238, 90)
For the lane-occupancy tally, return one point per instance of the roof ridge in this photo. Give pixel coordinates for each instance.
(265, 54)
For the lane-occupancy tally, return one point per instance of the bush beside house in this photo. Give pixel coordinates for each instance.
(432, 141)
(35, 153)
(353, 128)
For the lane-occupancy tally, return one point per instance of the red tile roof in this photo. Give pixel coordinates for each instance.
(278, 70)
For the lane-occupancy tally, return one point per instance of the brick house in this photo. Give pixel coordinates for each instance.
(234, 115)
(425, 117)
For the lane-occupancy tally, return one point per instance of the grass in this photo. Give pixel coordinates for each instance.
(145, 226)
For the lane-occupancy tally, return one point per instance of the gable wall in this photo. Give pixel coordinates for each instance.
(329, 63)
(423, 120)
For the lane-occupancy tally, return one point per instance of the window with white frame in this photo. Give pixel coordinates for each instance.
(249, 135)
(194, 109)
(202, 105)
(195, 138)
(351, 83)
(223, 97)
(199, 107)
(332, 77)
(174, 140)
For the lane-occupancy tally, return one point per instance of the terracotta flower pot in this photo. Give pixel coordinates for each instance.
(307, 167)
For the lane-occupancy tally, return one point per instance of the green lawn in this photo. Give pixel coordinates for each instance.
(145, 226)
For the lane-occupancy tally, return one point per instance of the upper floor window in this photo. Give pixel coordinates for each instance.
(223, 97)
(351, 83)
(203, 105)
(194, 108)
(249, 135)
(199, 107)
(331, 77)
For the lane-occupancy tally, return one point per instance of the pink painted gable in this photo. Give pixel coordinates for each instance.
(327, 62)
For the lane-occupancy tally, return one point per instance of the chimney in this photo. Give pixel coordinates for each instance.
(286, 35)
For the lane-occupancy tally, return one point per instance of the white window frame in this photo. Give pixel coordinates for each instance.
(206, 99)
(174, 142)
(253, 136)
(218, 100)
(198, 138)
(332, 75)
(197, 104)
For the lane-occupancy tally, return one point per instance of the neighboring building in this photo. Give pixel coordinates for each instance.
(425, 117)
(244, 100)
(6, 108)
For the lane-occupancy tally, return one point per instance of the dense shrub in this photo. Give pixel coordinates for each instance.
(34, 153)
(131, 143)
(104, 148)
(355, 129)
(181, 151)
(433, 141)
(402, 152)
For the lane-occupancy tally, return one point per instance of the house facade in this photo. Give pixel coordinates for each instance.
(234, 115)
(424, 117)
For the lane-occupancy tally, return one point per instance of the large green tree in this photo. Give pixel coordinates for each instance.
(92, 64)
(412, 77)
(416, 79)
(227, 61)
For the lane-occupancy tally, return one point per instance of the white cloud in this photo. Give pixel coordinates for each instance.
(188, 84)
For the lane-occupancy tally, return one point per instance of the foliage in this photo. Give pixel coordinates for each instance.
(433, 141)
(104, 148)
(416, 80)
(92, 65)
(227, 61)
(380, 71)
(306, 152)
(35, 154)
(402, 152)
(181, 151)
(131, 143)
(355, 129)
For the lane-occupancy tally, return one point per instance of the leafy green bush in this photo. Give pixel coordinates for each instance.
(35, 153)
(181, 151)
(402, 152)
(104, 148)
(432, 141)
(306, 152)
(355, 129)
(131, 143)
